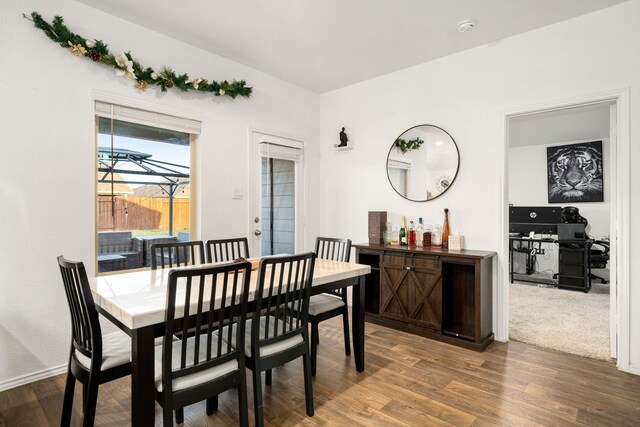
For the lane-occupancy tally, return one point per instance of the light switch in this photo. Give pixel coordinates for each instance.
(237, 193)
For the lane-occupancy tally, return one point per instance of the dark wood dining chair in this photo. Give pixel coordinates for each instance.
(94, 359)
(329, 304)
(224, 250)
(275, 333)
(199, 367)
(177, 254)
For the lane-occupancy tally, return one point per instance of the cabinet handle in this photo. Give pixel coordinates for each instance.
(406, 267)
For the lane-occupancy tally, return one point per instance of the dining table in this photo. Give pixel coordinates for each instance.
(136, 303)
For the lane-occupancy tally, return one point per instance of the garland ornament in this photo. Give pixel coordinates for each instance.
(128, 67)
(405, 146)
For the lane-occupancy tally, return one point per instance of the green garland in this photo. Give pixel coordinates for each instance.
(126, 66)
(412, 144)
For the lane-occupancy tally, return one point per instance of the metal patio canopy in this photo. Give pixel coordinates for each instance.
(115, 161)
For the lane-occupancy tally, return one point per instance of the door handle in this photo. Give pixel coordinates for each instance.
(257, 232)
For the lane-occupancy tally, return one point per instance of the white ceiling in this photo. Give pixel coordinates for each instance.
(589, 122)
(328, 44)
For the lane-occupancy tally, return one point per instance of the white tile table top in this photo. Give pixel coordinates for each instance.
(138, 299)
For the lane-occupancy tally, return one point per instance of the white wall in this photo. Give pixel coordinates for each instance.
(466, 94)
(47, 160)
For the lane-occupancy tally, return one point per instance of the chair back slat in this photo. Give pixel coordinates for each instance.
(177, 254)
(225, 250)
(335, 250)
(85, 326)
(205, 299)
(283, 282)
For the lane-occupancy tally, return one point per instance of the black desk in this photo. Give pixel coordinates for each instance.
(574, 263)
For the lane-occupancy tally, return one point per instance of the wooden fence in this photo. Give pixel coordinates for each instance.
(141, 213)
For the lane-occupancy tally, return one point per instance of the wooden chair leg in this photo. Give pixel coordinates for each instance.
(243, 406)
(308, 387)
(67, 405)
(267, 377)
(84, 397)
(257, 397)
(212, 405)
(314, 347)
(347, 338)
(90, 403)
(167, 416)
(179, 415)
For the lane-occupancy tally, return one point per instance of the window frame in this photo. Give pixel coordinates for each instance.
(194, 136)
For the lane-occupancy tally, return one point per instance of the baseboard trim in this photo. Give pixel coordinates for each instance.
(634, 370)
(35, 376)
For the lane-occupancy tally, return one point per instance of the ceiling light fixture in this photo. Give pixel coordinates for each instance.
(466, 25)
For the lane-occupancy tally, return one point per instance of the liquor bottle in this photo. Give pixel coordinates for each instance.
(420, 232)
(403, 232)
(427, 236)
(411, 234)
(445, 229)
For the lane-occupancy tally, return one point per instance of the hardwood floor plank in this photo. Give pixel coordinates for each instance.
(408, 381)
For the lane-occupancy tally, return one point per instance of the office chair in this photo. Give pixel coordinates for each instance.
(598, 258)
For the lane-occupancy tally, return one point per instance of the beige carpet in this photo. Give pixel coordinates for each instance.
(569, 321)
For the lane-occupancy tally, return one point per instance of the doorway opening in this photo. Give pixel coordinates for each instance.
(616, 213)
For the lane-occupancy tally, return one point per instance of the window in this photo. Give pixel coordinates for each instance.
(144, 184)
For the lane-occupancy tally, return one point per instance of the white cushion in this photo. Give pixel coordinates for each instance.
(323, 303)
(268, 349)
(196, 378)
(116, 351)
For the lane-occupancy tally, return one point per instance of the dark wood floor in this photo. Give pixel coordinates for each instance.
(409, 381)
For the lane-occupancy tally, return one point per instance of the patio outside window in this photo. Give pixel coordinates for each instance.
(143, 184)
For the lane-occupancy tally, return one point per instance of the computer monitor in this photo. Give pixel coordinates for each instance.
(537, 219)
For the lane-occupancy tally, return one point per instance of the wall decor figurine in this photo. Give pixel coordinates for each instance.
(575, 173)
(344, 139)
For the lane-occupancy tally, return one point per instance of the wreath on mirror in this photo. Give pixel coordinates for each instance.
(412, 144)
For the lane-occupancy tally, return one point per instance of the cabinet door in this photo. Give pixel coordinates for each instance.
(411, 290)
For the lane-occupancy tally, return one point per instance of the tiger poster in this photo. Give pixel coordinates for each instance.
(575, 173)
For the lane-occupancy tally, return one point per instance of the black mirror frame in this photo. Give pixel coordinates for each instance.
(454, 176)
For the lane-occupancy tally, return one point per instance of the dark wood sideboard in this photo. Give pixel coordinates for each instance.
(436, 293)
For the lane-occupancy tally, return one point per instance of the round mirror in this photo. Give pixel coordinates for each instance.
(423, 163)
